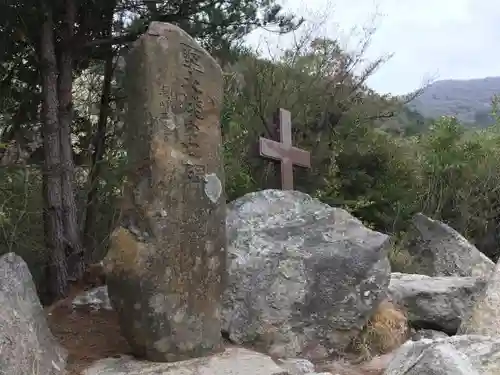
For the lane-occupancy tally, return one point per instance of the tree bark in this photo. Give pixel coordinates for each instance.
(99, 148)
(57, 277)
(74, 248)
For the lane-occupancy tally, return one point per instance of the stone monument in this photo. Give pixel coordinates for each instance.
(166, 263)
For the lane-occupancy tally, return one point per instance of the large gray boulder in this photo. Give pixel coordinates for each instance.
(303, 277)
(442, 251)
(465, 354)
(438, 302)
(26, 344)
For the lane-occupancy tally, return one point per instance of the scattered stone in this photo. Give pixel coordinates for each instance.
(442, 251)
(26, 344)
(95, 299)
(439, 302)
(304, 277)
(166, 261)
(233, 361)
(484, 317)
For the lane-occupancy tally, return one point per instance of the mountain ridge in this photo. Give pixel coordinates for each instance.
(470, 100)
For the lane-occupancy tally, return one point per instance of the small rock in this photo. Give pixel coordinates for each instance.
(96, 299)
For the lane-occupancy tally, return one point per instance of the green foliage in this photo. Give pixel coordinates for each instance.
(459, 168)
(376, 177)
(370, 154)
(315, 83)
(215, 24)
(359, 162)
(20, 216)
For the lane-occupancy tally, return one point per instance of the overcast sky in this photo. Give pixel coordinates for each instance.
(439, 39)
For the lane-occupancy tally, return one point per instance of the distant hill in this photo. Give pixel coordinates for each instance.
(468, 100)
(407, 121)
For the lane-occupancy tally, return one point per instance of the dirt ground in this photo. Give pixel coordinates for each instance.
(92, 335)
(87, 335)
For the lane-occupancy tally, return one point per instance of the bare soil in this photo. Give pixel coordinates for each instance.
(92, 335)
(87, 335)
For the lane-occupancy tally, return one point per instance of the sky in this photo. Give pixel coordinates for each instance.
(429, 39)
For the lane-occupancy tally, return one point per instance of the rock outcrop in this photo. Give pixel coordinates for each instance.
(26, 344)
(435, 302)
(442, 251)
(484, 316)
(457, 355)
(303, 277)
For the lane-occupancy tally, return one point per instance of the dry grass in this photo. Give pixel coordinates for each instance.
(385, 331)
(376, 344)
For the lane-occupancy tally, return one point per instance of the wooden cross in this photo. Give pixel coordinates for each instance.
(284, 151)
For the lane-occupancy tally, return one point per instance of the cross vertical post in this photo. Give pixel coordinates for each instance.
(283, 150)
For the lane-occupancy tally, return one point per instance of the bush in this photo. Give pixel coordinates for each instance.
(461, 179)
(377, 178)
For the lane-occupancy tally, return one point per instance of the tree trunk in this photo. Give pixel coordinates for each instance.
(74, 248)
(99, 145)
(57, 277)
(99, 148)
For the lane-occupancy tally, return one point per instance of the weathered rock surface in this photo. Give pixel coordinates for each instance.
(439, 359)
(26, 344)
(304, 277)
(442, 251)
(484, 317)
(297, 366)
(428, 334)
(375, 366)
(440, 302)
(234, 361)
(465, 354)
(166, 261)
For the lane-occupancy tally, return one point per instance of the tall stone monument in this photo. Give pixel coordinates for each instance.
(166, 263)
